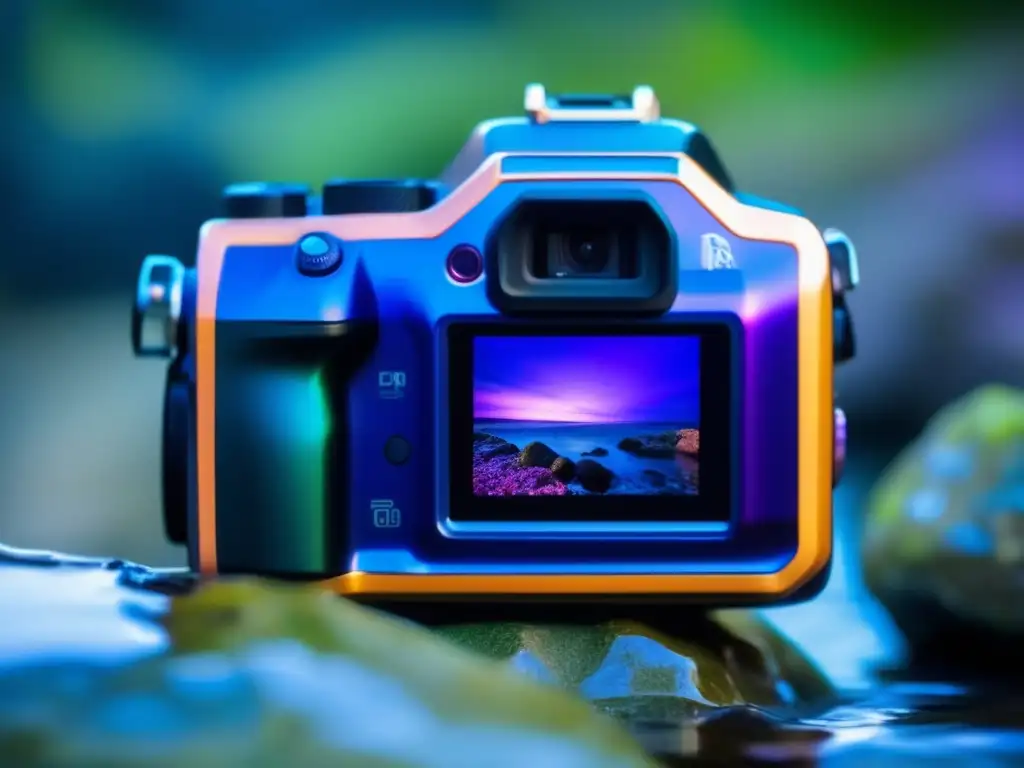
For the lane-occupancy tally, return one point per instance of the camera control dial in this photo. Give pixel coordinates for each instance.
(346, 196)
(264, 200)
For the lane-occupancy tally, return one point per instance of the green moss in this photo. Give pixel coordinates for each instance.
(957, 553)
(730, 658)
(889, 496)
(260, 673)
(990, 415)
(987, 418)
(229, 616)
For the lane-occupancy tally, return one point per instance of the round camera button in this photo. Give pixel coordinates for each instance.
(318, 255)
(465, 264)
(397, 450)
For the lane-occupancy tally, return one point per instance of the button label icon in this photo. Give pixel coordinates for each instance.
(715, 252)
(385, 514)
(391, 384)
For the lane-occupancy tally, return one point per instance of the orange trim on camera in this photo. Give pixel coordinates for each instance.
(814, 437)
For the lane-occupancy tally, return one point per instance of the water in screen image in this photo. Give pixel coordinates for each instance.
(579, 415)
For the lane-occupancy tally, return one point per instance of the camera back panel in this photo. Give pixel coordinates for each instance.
(359, 381)
(579, 366)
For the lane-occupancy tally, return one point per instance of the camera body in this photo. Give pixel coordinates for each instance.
(579, 366)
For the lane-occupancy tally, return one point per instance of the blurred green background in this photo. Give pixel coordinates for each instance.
(898, 122)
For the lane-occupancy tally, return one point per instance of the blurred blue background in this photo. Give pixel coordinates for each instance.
(121, 121)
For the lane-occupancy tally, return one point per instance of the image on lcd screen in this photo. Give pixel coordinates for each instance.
(586, 415)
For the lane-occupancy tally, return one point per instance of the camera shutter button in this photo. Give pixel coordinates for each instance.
(318, 254)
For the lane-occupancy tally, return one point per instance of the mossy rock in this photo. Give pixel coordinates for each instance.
(944, 535)
(537, 454)
(115, 665)
(634, 671)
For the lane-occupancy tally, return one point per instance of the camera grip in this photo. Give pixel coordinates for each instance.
(281, 444)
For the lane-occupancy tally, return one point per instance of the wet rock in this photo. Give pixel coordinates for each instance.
(488, 446)
(564, 469)
(640, 674)
(255, 673)
(596, 452)
(498, 471)
(594, 477)
(944, 538)
(663, 445)
(634, 445)
(501, 449)
(249, 672)
(537, 454)
(688, 442)
(655, 478)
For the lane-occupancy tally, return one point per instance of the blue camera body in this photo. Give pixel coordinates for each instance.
(578, 366)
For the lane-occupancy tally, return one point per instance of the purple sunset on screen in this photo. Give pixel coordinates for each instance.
(586, 415)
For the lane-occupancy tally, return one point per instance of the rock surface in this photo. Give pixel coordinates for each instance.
(593, 476)
(537, 455)
(500, 468)
(945, 532)
(688, 442)
(663, 445)
(563, 469)
(489, 446)
(110, 664)
(503, 476)
(639, 674)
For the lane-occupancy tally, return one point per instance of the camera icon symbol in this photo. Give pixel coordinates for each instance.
(385, 514)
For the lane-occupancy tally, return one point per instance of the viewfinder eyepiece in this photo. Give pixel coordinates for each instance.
(579, 253)
(569, 244)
